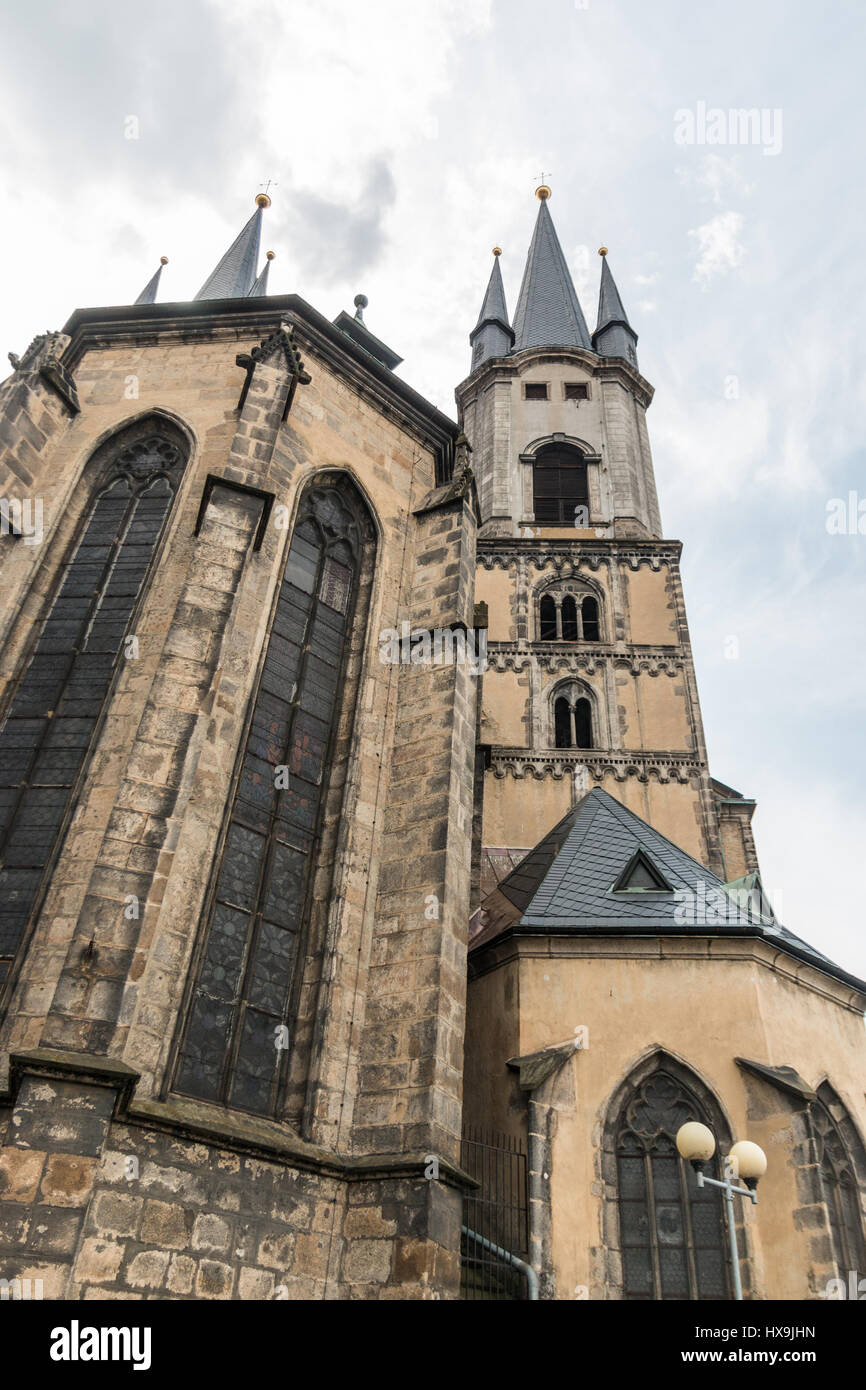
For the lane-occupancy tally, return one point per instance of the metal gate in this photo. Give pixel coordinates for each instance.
(496, 1212)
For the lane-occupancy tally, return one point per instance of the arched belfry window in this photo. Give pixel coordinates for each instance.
(568, 612)
(242, 1012)
(839, 1182)
(672, 1239)
(572, 718)
(560, 485)
(54, 708)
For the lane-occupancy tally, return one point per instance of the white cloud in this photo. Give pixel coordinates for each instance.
(720, 249)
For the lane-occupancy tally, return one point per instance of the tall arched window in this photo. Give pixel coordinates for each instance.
(54, 708)
(560, 484)
(241, 1015)
(547, 616)
(569, 619)
(572, 719)
(589, 619)
(672, 1237)
(839, 1181)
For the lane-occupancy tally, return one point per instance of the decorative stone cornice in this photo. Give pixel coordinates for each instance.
(565, 557)
(563, 762)
(601, 368)
(566, 656)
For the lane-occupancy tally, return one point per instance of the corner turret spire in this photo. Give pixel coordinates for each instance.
(492, 335)
(148, 294)
(614, 335)
(260, 286)
(235, 274)
(548, 311)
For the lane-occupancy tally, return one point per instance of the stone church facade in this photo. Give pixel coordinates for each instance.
(285, 907)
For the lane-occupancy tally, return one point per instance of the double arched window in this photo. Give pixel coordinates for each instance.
(572, 718)
(571, 616)
(560, 486)
(671, 1234)
(54, 708)
(839, 1183)
(242, 1013)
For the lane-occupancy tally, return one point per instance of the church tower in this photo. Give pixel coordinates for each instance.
(591, 679)
(627, 971)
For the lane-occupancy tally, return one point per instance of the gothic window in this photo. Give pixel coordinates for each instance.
(547, 615)
(568, 616)
(54, 709)
(572, 719)
(672, 1237)
(559, 484)
(241, 1015)
(841, 1192)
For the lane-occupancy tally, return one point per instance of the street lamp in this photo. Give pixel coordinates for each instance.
(746, 1160)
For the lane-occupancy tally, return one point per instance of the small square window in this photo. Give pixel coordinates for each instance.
(576, 391)
(535, 391)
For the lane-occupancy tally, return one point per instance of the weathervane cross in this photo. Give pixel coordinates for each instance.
(266, 186)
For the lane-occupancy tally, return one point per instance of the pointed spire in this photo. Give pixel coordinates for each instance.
(614, 335)
(261, 285)
(235, 274)
(148, 294)
(492, 335)
(548, 310)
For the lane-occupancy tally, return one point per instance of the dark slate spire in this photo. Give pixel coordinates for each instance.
(548, 310)
(492, 335)
(235, 275)
(261, 285)
(148, 294)
(614, 335)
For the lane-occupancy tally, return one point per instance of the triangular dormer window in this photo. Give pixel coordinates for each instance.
(641, 875)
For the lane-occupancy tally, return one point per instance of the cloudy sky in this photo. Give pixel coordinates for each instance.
(405, 140)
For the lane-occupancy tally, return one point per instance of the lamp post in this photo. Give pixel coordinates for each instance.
(697, 1145)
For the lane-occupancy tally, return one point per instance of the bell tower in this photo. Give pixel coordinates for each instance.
(591, 679)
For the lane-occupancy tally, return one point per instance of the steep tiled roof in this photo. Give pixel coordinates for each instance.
(548, 311)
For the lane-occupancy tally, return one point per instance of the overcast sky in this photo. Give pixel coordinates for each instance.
(405, 139)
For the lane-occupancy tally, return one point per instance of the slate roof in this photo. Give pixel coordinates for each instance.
(494, 306)
(235, 274)
(148, 294)
(548, 311)
(565, 885)
(610, 306)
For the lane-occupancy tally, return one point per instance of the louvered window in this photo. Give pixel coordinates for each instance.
(559, 484)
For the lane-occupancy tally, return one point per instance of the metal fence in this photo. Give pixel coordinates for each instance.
(497, 1211)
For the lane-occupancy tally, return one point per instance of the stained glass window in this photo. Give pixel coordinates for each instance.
(671, 1232)
(238, 1030)
(841, 1193)
(55, 706)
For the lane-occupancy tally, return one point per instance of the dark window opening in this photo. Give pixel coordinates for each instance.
(547, 629)
(576, 391)
(238, 1030)
(589, 618)
(560, 485)
(583, 724)
(535, 391)
(562, 723)
(569, 619)
(572, 722)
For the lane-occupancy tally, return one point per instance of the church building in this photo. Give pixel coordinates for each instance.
(370, 920)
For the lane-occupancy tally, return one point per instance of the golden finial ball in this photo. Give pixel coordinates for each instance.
(163, 260)
(497, 250)
(543, 193)
(270, 255)
(602, 250)
(262, 200)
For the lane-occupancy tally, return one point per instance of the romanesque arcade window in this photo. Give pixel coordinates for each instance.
(572, 719)
(240, 1017)
(841, 1191)
(672, 1239)
(560, 485)
(568, 617)
(54, 709)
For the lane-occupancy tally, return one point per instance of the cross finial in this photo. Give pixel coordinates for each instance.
(266, 186)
